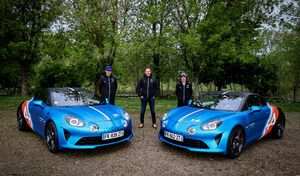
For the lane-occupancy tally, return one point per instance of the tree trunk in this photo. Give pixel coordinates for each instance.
(294, 94)
(156, 60)
(24, 79)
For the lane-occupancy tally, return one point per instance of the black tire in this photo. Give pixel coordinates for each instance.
(235, 143)
(51, 138)
(22, 125)
(278, 129)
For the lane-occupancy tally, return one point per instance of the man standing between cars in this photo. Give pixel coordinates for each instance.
(146, 90)
(184, 90)
(106, 86)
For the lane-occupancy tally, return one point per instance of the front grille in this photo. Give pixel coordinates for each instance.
(187, 142)
(98, 140)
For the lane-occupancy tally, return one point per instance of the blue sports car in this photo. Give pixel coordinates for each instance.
(223, 123)
(69, 118)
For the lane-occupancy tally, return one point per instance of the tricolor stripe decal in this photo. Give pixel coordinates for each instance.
(274, 114)
(26, 113)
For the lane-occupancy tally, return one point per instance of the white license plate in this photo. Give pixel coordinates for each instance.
(112, 135)
(173, 136)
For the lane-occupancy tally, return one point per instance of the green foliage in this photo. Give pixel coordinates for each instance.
(217, 42)
(22, 25)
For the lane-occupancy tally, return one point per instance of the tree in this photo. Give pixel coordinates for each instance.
(228, 35)
(22, 27)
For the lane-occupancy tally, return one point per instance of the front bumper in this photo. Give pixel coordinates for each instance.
(208, 142)
(83, 139)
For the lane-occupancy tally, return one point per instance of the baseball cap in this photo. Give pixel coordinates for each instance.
(108, 68)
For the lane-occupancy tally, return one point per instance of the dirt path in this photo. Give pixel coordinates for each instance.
(24, 153)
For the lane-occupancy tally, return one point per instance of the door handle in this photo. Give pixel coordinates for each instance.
(251, 124)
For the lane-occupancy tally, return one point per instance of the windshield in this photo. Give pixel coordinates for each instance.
(226, 103)
(72, 97)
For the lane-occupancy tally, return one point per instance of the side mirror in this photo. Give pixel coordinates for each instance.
(255, 108)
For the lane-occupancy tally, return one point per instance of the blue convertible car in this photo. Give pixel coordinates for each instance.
(224, 123)
(69, 118)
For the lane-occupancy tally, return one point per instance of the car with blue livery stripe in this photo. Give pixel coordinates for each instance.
(70, 118)
(222, 123)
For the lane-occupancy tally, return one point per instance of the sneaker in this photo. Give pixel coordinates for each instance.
(154, 126)
(141, 125)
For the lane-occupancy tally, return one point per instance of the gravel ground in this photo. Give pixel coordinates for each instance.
(24, 153)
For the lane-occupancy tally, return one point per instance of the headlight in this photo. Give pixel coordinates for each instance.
(125, 123)
(126, 116)
(164, 123)
(73, 121)
(164, 117)
(212, 125)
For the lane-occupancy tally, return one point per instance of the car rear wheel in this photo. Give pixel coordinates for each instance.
(22, 125)
(235, 142)
(51, 137)
(278, 129)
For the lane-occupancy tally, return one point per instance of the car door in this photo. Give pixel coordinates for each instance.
(257, 115)
(264, 115)
(37, 115)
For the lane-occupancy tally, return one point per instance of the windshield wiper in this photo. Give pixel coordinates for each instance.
(92, 102)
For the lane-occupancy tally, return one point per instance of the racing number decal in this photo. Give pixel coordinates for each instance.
(274, 115)
(26, 113)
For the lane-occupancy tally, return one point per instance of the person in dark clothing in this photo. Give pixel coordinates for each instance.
(146, 90)
(106, 86)
(184, 90)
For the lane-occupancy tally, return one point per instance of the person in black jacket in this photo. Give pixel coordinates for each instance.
(184, 90)
(146, 90)
(106, 86)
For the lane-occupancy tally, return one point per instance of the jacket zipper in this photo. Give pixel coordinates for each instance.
(147, 87)
(108, 89)
(183, 97)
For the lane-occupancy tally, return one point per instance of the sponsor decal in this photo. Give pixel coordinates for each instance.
(274, 114)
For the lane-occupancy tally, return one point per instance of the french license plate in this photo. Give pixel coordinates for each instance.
(112, 135)
(173, 136)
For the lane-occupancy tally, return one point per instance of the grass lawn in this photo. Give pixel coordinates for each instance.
(289, 107)
(10, 102)
(133, 104)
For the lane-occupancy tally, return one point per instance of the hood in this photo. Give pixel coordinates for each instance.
(98, 113)
(187, 116)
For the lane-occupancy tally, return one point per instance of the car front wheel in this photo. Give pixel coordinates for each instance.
(51, 137)
(235, 142)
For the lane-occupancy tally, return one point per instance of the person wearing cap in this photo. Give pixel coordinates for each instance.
(106, 86)
(184, 90)
(146, 90)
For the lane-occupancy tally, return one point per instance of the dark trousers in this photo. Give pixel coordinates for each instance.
(144, 102)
